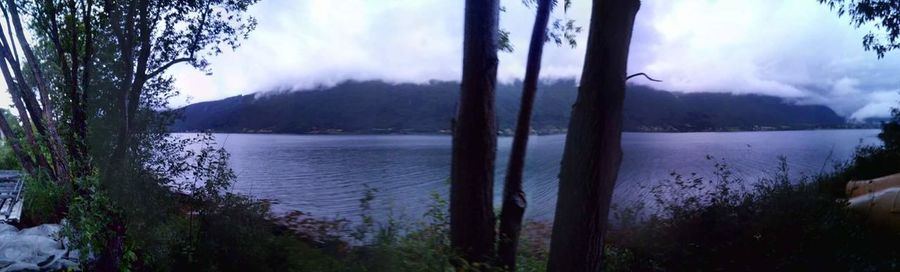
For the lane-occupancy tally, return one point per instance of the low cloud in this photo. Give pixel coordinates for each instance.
(799, 50)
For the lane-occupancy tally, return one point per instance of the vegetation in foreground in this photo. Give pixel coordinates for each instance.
(781, 223)
(87, 91)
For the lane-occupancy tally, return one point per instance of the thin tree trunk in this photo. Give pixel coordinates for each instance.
(514, 202)
(14, 93)
(126, 72)
(17, 92)
(31, 105)
(593, 152)
(475, 137)
(12, 140)
(57, 151)
(80, 116)
(34, 111)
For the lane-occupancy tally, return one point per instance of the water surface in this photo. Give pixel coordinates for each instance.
(327, 175)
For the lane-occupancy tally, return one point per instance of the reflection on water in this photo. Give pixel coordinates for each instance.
(326, 175)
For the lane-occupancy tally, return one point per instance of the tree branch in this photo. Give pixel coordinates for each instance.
(642, 74)
(163, 68)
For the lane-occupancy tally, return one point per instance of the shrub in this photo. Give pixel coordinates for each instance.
(45, 200)
(782, 223)
(233, 233)
(8, 160)
(174, 213)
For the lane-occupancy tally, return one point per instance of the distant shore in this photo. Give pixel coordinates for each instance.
(509, 132)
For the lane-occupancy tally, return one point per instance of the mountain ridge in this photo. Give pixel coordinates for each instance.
(376, 107)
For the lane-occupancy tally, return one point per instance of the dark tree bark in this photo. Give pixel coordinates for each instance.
(593, 150)
(79, 114)
(475, 137)
(514, 202)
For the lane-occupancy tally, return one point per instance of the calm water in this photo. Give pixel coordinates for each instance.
(327, 175)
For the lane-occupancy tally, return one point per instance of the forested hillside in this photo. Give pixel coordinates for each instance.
(379, 107)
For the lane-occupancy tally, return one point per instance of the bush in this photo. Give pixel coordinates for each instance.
(45, 200)
(234, 234)
(173, 212)
(425, 245)
(8, 160)
(782, 223)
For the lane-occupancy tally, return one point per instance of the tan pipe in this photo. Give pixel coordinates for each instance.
(861, 187)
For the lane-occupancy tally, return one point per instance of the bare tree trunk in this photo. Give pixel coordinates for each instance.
(593, 150)
(514, 202)
(475, 137)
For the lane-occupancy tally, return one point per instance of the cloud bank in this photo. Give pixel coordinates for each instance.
(799, 50)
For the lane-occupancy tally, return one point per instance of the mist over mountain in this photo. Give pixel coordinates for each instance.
(380, 107)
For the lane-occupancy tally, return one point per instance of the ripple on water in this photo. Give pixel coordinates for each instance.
(327, 175)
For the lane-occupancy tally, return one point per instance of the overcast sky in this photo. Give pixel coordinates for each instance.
(796, 49)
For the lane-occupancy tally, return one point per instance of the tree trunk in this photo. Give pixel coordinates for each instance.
(79, 116)
(593, 150)
(14, 93)
(475, 137)
(514, 202)
(57, 151)
(13, 141)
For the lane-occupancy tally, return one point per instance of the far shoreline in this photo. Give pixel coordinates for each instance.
(370, 133)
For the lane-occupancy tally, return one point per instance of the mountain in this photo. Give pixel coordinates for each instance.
(379, 107)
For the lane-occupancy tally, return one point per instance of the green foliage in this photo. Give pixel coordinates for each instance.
(180, 216)
(45, 200)
(424, 245)
(882, 14)
(393, 246)
(890, 131)
(504, 44)
(89, 218)
(152, 201)
(233, 233)
(425, 248)
(8, 160)
(563, 31)
(361, 233)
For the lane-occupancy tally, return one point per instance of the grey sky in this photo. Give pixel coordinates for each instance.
(795, 49)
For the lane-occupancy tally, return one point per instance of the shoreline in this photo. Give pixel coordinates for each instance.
(373, 133)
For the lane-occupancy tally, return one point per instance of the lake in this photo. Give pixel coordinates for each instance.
(327, 175)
